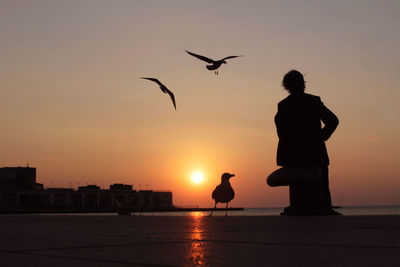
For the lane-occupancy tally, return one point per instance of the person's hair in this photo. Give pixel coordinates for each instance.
(293, 81)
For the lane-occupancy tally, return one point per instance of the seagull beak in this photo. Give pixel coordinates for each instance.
(231, 175)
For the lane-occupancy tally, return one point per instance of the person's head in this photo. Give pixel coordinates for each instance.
(293, 81)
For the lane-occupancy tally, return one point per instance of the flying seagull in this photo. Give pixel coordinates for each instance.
(163, 88)
(215, 64)
(223, 193)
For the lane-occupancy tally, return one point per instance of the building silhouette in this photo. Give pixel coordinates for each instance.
(20, 191)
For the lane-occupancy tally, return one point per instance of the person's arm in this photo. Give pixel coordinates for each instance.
(279, 123)
(330, 120)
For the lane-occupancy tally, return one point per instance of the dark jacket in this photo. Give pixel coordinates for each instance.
(301, 137)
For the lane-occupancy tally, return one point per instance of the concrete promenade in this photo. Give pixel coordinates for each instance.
(70, 240)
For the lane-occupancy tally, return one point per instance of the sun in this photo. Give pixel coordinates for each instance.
(197, 177)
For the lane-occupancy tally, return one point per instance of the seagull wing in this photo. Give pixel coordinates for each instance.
(154, 80)
(216, 194)
(231, 57)
(170, 95)
(206, 59)
(163, 88)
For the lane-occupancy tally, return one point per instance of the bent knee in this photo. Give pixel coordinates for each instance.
(277, 178)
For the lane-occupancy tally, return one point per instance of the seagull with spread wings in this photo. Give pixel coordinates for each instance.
(215, 64)
(163, 88)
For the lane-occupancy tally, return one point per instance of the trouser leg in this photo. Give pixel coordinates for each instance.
(325, 187)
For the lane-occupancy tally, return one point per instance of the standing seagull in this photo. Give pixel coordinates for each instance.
(163, 88)
(223, 193)
(215, 64)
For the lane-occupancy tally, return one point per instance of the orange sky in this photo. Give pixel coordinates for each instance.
(73, 105)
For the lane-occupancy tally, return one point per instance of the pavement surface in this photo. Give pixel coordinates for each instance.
(71, 240)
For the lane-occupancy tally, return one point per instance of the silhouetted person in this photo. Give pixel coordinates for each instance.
(215, 64)
(223, 193)
(301, 135)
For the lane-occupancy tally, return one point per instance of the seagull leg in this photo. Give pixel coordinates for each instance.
(213, 209)
(226, 210)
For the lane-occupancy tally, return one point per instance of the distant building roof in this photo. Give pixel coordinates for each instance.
(89, 188)
(121, 187)
(60, 189)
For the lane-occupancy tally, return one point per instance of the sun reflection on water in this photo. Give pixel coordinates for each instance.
(196, 254)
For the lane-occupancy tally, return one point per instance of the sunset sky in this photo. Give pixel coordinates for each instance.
(73, 106)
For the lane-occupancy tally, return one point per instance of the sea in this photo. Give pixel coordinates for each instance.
(349, 210)
(345, 210)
